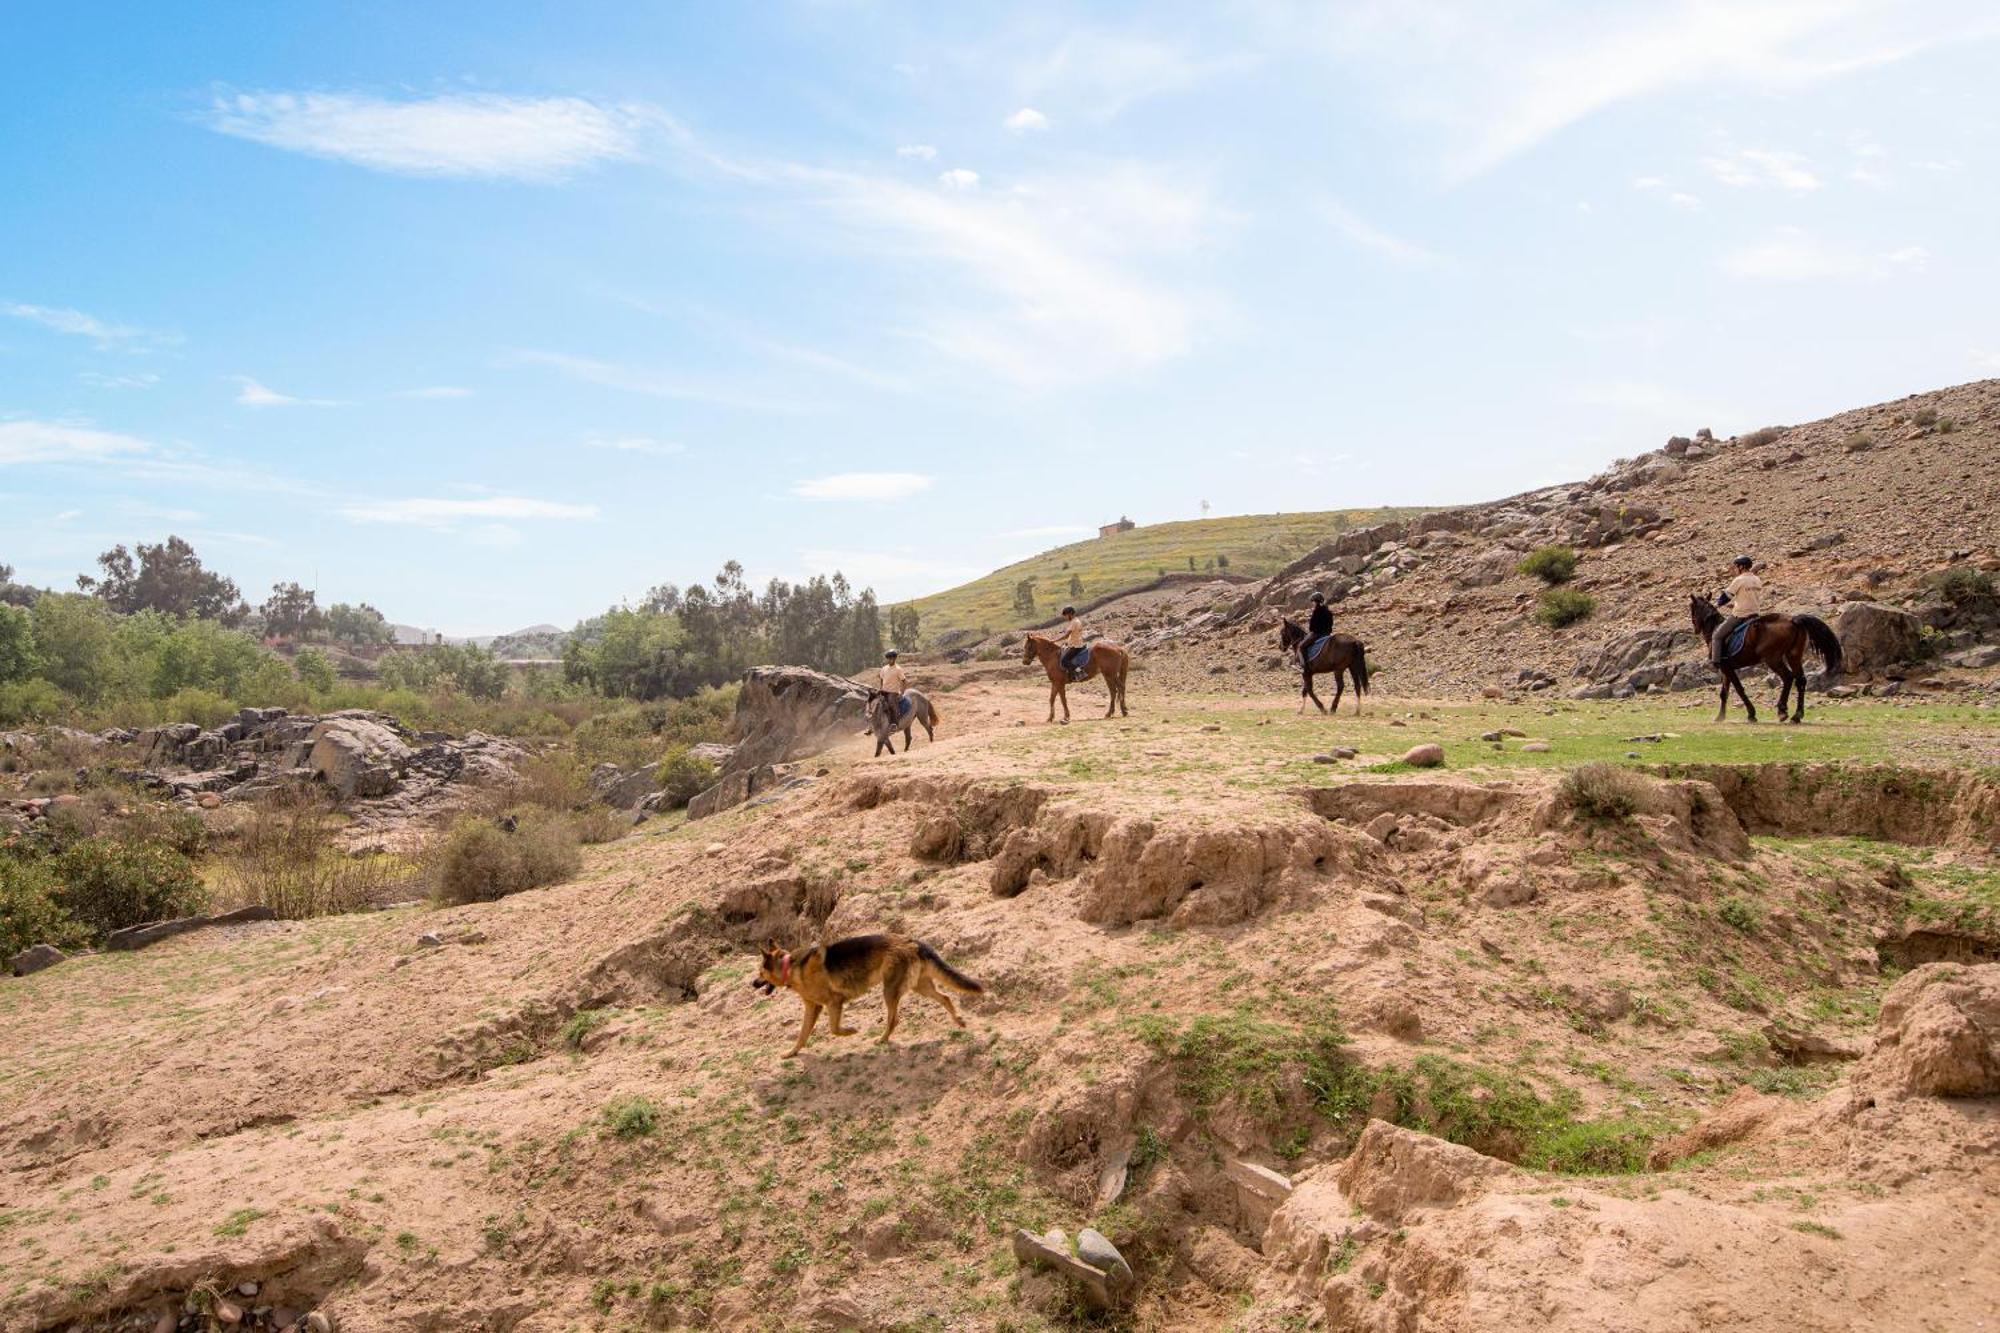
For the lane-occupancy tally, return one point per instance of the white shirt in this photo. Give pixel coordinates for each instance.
(1746, 595)
(893, 679)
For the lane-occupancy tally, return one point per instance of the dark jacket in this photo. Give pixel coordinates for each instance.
(1320, 621)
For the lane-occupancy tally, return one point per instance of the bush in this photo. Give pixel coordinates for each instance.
(1563, 606)
(29, 912)
(1763, 435)
(314, 669)
(1602, 791)
(1550, 564)
(1924, 416)
(285, 859)
(107, 884)
(479, 862)
(1859, 442)
(1740, 914)
(631, 1117)
(1962, 583)
(684, 776)
(30, 701)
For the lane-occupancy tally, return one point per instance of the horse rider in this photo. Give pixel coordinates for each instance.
(1318, 626)
(1745, 599)
(894, 682)
(1071, 637)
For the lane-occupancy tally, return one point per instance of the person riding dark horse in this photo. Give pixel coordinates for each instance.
(1070, 636)
(1319, 624)
(1745, 599)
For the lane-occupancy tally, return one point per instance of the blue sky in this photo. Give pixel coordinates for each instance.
(493, 314)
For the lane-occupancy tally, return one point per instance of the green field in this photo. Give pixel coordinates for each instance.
(1254, 544)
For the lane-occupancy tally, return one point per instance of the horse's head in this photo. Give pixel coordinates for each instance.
(1290, 635)
(1703, 613)
(1028, 643)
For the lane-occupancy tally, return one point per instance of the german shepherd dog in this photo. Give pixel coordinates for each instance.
(827, 976)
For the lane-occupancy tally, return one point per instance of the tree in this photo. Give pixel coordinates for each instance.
(1076, 585)
(292, 613)
(73, 638)
(1222, 562)
(314, 670)
(168, 578)
(18, 658)
(12, 593)
(1024, 598)
(361, 626)
(903, 626)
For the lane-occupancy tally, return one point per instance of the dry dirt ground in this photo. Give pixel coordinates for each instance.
(1201, 946)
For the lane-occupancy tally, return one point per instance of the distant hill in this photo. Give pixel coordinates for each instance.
(1257, 545)
(536, 641)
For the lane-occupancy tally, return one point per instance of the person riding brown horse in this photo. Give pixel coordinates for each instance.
(1773, 641)
(1332, 652)
(1105, 659)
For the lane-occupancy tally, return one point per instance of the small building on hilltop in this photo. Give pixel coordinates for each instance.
(1113, 529)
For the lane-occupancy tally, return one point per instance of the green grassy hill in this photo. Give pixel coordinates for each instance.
(1252, 544)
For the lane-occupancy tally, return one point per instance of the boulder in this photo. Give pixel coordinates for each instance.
(788, 712)
(357, 756)
(1874, 637)
(1393, 1170)
(1938, 1034)
(1096, 1249)
(1429, 755)
(1975, 657)
(626, 791)
(732, 790)
(35, 958)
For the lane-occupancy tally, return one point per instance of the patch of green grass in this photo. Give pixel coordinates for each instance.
(1817, 1229)
(1550, 564)
(238, 1222)
(1740, 914)
(581, 1024)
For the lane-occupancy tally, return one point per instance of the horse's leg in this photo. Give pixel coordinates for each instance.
(1722, 709)
(1339, 689)
(1053, 687)
(1785, 692)
(1742, 694)
(1123, 711)
(930, 736)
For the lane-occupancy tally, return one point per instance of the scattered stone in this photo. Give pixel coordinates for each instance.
(1537, 747)
(1093, 1282)
(1344, 752)
(1493, 736)
(228, 1312)
(1211, 727)
(1510, 731)
(1429, 755)
(1492, 692)
(1324, 759)
(319, 1322)
(1096, 1249)
(138, 937)
(166, 1323)
(430, 939)
(246, 1289)
(1111, 1180)
(1397, 722)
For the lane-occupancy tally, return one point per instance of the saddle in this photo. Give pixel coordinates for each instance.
(1076, 661)
(1742, 632)
(1310, 648)
(903, 706)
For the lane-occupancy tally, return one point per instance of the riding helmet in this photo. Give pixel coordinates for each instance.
(1069, 610)
(891, 653)
(1743, 562)
(1318, 597)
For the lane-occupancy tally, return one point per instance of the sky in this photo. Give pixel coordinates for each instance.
(498, 314)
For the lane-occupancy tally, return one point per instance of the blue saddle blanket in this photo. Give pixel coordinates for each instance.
(1735, 644)
(903, 706)
(1310, 649)
(1076, 659)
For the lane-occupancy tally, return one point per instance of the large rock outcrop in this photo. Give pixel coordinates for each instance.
(357, 756)
(782, 713)
(1938, 1035)
(1874, 637)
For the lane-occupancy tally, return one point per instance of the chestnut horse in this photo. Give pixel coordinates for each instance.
(1774, 641)
(1106, 659)
(1340, 652)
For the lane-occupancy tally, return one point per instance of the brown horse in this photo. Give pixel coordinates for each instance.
(1340, 652)
(1773, 641)
(1106, 659)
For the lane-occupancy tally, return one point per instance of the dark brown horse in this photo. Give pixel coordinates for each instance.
(1340, 652)
(1773, 641)
(1106, 659)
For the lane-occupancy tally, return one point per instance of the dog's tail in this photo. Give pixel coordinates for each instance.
(953, 978)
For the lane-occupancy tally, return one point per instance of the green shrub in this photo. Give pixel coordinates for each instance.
(683, 776)
(581, 1024)
(478, 861)
(1558, 607)
(1859, 442)
(314, 669)
(29, 912)
(1602, 791)
(31, 701)
(631, 1117)
(284, 858)
(108, 884)
(1740, 913)
(1962, 583)
(1924, 416)
(1550, 564)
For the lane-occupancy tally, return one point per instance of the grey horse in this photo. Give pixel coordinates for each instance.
(882, 719)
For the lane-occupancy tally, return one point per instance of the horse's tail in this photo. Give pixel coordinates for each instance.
(931, 704)
(1824, 641)
(1360, 669)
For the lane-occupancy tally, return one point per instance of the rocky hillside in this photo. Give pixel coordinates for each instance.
(1871, 506)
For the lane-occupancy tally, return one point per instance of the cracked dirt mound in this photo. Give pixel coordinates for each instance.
(1449, 1002)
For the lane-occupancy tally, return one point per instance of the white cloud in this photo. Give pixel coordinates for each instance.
(1657, 185)
(1361, 232)
(253, 394)
(436, 391)
(461, 135)
(958, 178)
(59, 442)
(143, 380)
(1763, 166)
(863, 486)
(1026, 121)
(1792, 255)
(105, 333)
(1500, 79)
(892, 574)
(440, 513)
(919, 152)
(639, 444)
